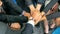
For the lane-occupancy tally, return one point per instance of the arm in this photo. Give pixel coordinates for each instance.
(10, 18)
(29, 27)
(59, 1)
(54, 15)
(30, 5)
(14, 6)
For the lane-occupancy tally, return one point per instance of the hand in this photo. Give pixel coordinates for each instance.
(43, 17)
(37, 16)
(57, 20)
(27, 14)
(15, 26)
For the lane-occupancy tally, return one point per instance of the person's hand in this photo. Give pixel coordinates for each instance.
(27, 14)
(37, 16)
(15, 26)
(57, 20)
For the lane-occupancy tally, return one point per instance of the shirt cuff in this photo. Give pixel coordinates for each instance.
(31, 22)
(22, 13)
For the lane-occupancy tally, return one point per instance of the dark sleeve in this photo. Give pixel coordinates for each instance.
(10, 18)
(54, 15)
(14, 6)
(41, 1)
(3, 11)
(28, 29)
(59, 1)
(28, 2)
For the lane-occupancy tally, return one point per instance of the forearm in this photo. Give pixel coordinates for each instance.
(10, 18)
(28, 29)
(52, 16)
(15, 6)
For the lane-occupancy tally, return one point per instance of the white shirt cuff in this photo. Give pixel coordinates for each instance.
(22, 13)
(31, 22)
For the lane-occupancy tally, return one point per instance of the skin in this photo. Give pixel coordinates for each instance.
(36, 14)
(0, 4)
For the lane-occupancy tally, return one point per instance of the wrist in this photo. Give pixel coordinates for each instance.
(31, 21)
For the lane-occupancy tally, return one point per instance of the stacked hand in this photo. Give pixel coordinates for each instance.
(36, 15)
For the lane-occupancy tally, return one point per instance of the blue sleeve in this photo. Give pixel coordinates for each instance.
(15, 1)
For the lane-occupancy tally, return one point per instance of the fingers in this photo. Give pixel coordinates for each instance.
(38, 16)
(27, 14)
(38, 7)
(55, 6)
(32, 8)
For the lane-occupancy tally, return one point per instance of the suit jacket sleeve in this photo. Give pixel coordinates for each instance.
(28, 2)
(59, 1)
(10, 18)
(41, 1)
(15, 6)
(28, 29)
(52, 16)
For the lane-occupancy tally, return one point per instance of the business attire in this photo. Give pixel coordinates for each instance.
(37, 29)
(59, 1)
(7, 30)
(12, 7)
(28, 29)
(52, 16)
(10, 18)
(29, 2)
